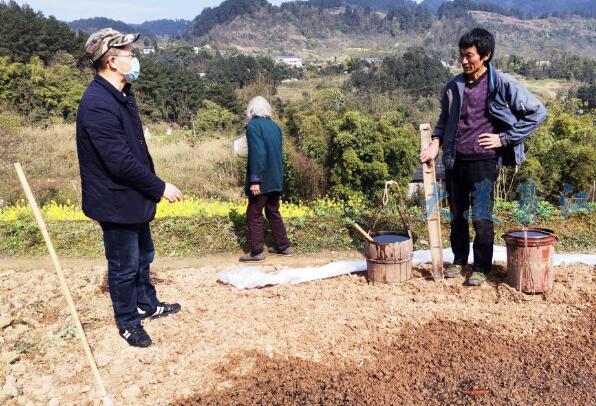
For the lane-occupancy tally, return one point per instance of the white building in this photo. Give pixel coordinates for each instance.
(373, 60)
(196, 50)
(148, 50)
(293, 61)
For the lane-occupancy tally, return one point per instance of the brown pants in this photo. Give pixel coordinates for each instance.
(254, 219)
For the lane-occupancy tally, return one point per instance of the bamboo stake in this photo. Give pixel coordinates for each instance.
(65, 290)
(430, 194)
(364, 233)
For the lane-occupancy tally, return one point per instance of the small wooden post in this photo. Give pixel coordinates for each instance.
(431, 195)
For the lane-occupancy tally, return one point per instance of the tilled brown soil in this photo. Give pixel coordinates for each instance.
(336, 341)
(442, 362)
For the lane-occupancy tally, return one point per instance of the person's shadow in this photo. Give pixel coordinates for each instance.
(241, 230)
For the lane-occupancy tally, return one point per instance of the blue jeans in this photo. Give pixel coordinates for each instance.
(129, 251)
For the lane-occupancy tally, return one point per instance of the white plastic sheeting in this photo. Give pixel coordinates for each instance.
(247, 277)
(500, 255)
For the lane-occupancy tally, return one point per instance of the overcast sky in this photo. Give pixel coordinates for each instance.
(130, 11)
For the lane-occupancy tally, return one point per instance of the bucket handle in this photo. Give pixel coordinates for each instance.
(385, 200)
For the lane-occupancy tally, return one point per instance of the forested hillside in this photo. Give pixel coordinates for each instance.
(325, 29)
(533, 7)
(90, 25)
(24, 32)
(155, 28)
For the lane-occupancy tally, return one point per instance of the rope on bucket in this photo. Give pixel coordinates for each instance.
(385, 201)
(527, 274)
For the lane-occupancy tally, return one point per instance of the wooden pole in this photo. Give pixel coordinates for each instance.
(433, 216)
(364, 233)
(65, 291)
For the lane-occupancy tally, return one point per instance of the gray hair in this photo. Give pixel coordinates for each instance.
(258, 107)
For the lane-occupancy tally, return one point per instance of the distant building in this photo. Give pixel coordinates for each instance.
(373, 60)
(445, 64)
(148, 50)
(293, 61)
(196, 50)
(542, 63)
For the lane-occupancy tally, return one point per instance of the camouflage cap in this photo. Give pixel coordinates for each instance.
(100, 41)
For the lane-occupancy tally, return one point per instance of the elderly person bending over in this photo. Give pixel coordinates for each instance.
(264, 181)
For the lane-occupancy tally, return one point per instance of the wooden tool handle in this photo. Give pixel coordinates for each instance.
(432, 199)
(66, 292)
(364, 233)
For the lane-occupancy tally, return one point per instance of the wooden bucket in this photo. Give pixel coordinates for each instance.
(530, 259)
(389, 258)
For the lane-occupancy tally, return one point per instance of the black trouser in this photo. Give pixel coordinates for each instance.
(254, 219)
(472, 181)
(129, 251)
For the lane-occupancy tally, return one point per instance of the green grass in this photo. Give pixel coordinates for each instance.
(180, 237)
(202, 168)
(547, 88)
(296, 91)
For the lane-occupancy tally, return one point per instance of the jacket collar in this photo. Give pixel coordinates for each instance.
(492, 80)
(122, 97)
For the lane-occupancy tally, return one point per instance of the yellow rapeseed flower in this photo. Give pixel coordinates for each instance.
(189, 207)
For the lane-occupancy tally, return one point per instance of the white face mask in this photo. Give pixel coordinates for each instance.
(135, 69)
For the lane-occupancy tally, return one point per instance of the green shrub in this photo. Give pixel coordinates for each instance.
(561, 151)
(213, 118)
(366, 153)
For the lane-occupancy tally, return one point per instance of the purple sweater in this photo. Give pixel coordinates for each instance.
(474, 120)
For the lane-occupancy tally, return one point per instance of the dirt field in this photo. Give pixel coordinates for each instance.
(336, 341)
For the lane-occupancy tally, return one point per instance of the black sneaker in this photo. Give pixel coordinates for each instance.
(162, 310)
(136, 336)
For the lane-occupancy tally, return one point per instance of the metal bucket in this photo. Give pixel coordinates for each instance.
(530, 259)
(389, 258)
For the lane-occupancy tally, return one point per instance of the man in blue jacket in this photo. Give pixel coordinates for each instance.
(485, 117)
(119, 186)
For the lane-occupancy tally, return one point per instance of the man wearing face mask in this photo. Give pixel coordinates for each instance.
(119, 186)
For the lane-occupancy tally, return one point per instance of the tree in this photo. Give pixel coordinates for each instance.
(366, 153)
(561, 151)
(167, 91)
(226, 11)
(212, 118)
(351, 152)
(25, 33)
(414, 72)
(41, 93)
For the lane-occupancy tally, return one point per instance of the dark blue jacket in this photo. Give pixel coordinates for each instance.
(118, 178)
(515, 111)
(265, 161)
